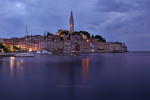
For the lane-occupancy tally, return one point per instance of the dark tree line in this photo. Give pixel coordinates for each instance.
(87, 34)
(64, 33)
(100, 38)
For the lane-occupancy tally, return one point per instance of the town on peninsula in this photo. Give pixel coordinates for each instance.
(64, 42)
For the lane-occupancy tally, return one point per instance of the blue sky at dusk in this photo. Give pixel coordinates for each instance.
(116, 20)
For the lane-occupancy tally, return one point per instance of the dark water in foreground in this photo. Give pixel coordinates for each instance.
(118, 76)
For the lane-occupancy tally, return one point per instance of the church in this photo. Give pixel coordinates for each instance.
(66, 32)
(71, 24)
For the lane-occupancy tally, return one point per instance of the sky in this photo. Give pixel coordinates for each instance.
(125, 21)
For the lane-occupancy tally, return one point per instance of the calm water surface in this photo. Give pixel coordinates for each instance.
(102, 76)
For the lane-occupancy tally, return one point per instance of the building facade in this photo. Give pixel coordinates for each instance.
(116, 47)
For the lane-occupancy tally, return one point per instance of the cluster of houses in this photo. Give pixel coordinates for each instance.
(64, 43)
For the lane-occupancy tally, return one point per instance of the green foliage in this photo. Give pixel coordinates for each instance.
(49, 33)
(8, 49)
(15, 48)
(61, 38)
(69, 37)
(1, 46)
(81, 37)
(76, 33)
(5, 47)
(64, 33)
(100, 38)
(92, 36)
(82, 33)
(85, 33)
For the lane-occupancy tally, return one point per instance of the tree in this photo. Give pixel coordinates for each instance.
(69, 37)
(85, 33)
(15, 48)
(64, 33)
(49, 33)
(92, 36)
(76, 33)
(44, 35)
(61, 38)
(100, 38)
(1, 46)
(5, 47)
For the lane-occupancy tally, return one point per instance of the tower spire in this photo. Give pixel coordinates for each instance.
(71, 23)
(26, 32)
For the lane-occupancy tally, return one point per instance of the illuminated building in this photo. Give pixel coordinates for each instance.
(71, 23)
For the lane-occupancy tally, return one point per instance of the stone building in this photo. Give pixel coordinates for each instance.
(33, 46)
(84, 46)
(76, 38)
(97, 46)
(77, 47)
(116, 47)
(67, 47)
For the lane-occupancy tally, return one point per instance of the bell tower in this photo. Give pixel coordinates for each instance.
(71, 24)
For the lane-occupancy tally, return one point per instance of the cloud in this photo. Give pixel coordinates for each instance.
(126, 21)
(114, 5)
(117, 20)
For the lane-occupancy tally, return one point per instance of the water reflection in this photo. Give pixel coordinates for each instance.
(12, 63)
(21, 61)
(61, 73)
(3, 62)
(85, 69)
(15, 63)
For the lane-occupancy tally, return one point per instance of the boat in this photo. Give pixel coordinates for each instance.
(24, 55)
(46, 53)
(6, 54)
(49, 53)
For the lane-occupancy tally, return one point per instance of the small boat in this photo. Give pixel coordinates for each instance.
(24, 55)
(49, 53)
(46, 53)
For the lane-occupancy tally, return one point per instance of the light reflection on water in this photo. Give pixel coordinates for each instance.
(16, 63)
(21, 61)
(89, 77)
(12, 63)
(85, 70)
